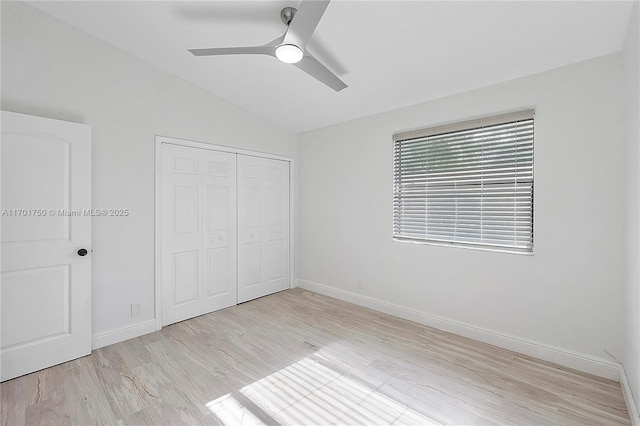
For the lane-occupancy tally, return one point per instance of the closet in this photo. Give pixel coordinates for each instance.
(224, 229)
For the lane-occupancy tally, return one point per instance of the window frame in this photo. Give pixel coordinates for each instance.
(452, 128)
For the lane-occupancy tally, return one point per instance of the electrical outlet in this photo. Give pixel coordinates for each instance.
(135, 309)
(359, 284)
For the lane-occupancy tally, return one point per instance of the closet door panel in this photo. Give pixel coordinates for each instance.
(263, 227)
(181, 234)
(219, 239)
(250, 227)
(277, 223)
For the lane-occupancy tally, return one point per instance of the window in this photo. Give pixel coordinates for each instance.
(466, 184)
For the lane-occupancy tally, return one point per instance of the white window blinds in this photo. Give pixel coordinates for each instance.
(468, 184)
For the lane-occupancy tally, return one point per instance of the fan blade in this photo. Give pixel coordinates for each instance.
(249, 50)
(315, 69)
(305, 22)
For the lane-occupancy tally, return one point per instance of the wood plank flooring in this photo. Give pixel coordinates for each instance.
(297, 357)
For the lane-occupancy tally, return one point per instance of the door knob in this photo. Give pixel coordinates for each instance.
(82, 252)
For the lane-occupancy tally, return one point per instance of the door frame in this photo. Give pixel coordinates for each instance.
(159, 141)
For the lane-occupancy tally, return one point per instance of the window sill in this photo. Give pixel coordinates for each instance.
(463, 246)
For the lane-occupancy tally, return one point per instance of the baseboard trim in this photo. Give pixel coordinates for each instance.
(578, 361)
(632, 407)
(121, 334)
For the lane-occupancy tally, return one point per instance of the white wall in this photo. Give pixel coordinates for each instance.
(52, 70)
(568, 295)
(631, 56)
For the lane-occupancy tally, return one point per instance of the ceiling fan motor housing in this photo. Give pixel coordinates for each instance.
(287, 15)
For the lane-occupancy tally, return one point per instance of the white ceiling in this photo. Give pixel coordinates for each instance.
(390, 53)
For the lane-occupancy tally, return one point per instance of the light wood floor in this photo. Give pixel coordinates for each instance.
(297, 357)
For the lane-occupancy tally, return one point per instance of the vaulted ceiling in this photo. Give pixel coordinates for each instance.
(390, 53)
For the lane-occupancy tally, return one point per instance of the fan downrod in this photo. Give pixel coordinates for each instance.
(287, 15)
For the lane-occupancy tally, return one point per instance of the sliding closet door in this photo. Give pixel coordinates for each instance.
(263, 227)
(198, 232)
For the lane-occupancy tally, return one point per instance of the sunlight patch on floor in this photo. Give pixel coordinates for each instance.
(231, 412)
(309, 392)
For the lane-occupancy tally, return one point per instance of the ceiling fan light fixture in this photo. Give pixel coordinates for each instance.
(289, 53)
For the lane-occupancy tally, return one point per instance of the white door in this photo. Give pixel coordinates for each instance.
(198, 232)
(263, 227)
(46, 221)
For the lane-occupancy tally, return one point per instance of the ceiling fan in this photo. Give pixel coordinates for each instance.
(290, 47)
